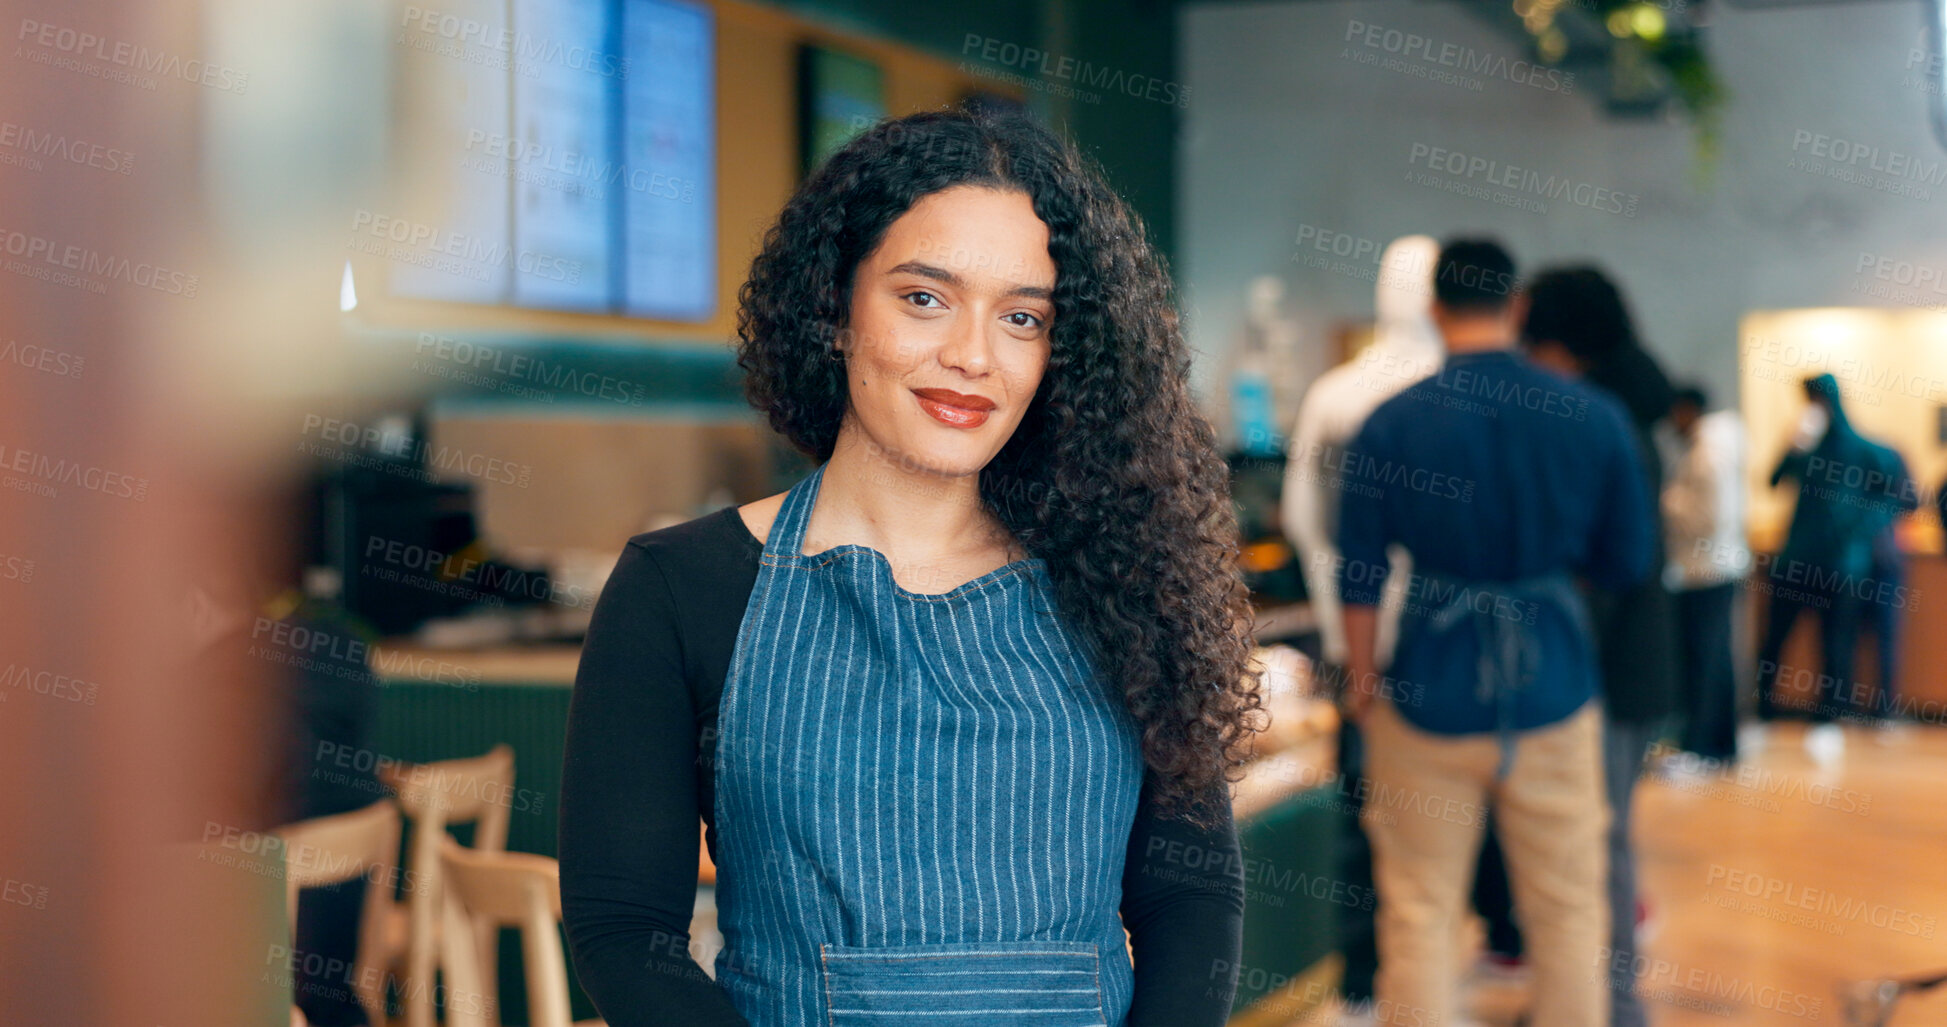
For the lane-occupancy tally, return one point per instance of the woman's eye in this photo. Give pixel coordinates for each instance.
(922, 299)
(1023, 319)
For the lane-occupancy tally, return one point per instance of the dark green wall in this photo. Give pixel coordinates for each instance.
(1134, 138)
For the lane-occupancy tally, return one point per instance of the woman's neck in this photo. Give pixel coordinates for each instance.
(870, 496)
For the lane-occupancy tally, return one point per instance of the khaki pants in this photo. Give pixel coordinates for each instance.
(1428, 802)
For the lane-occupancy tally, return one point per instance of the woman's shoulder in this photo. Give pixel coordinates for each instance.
(712, 543)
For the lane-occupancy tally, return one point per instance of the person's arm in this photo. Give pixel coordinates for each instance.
(1183, 904)
(629, 816)
(1306, 518)
(1791, 465)
(1363, 568)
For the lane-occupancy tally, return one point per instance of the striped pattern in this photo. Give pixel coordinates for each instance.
(913, 785)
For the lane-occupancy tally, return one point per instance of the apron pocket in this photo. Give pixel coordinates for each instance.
(976, 984)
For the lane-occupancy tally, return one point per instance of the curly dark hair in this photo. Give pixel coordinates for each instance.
(1580, 308)
(1112, 477)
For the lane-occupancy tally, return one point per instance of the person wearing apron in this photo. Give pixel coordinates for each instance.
(1509, 486)
(958, 709)
(856, 714)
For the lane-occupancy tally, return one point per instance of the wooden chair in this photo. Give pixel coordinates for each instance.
(491, 890)
(344, 847)
(478, 790)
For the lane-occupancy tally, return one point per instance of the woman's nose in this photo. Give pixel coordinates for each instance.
(967, 349)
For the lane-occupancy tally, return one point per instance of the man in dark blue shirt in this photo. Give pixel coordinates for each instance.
(1509, 487)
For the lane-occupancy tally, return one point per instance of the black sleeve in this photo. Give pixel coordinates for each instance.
(1183, 903)
(630, 812)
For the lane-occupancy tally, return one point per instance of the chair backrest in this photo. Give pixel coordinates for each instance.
(344, 847)
(494, 890)
(479, 790)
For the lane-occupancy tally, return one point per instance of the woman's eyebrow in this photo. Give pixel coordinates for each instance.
(944, 276)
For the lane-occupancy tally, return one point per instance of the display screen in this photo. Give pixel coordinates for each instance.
(669, 260)
(561, 154)
(841, 95)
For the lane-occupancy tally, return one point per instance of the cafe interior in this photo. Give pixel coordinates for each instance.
(441, 310)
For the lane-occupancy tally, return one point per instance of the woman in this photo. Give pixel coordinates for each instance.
(961, 705)
(1578, 324)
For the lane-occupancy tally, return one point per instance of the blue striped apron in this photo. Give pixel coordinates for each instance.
(923, 802)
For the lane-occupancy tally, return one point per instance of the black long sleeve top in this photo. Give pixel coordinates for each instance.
(638, 776)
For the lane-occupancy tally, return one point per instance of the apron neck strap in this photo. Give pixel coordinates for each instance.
(788, 531)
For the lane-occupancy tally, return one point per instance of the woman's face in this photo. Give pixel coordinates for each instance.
(949, 330)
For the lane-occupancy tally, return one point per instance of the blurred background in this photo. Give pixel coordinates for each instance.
(343, 344)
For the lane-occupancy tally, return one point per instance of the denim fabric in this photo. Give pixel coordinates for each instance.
(1478, 656)
(923, 802)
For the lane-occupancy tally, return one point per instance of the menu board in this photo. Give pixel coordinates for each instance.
(669, 143)
(564, 152)
(461, 230)
(565, 175)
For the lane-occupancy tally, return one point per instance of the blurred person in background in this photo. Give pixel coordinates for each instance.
(1703, 519)
(1405, 348)
(1017, 552)
(1505, 483)
(1579, 326)
(1884, 603)
(1826, 565)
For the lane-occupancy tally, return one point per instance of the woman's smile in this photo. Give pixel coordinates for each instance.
(954, 409)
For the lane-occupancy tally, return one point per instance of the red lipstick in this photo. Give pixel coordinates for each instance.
(954, 409)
